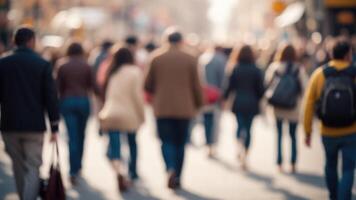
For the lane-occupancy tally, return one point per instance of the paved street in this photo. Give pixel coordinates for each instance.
(204, 178)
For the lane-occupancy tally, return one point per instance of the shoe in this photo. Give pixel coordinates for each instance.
(172, 181)
(73, 180)
(280, 169)
(294, 170)
(123, 183)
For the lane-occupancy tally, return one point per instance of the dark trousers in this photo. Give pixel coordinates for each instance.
(340, 189)
(114, 150)
(244, 122)
(292, 134)
(173, 134)
(75, 111)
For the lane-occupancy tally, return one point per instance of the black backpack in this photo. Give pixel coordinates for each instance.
(285, 88)
(336, 106)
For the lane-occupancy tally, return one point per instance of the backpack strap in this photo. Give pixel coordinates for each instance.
(331, 71)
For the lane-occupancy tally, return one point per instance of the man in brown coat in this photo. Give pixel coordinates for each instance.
(173, 81)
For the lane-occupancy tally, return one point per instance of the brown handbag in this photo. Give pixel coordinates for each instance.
(54, 189)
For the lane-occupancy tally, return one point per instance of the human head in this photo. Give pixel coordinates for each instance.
(24, 37)
(173, 36)
(131, 42)
(121, 56)
(106, 45)
(75, 49)
(342, 50)
(243, 55)
(287, 54)
(246, 55)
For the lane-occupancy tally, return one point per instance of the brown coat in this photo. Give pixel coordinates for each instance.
(173, 81)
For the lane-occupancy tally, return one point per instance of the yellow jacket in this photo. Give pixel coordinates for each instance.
(313, 93)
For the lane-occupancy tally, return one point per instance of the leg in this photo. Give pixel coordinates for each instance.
(71, 122)
(114, 147)
(33, 144)
(181, 134)
(133, 155)
(249, 121)
(348, 150)
(165, 131)
(15, 150)
(82, 119)
(331, 155)
(292, 133)
(279, 141)
(208, 125)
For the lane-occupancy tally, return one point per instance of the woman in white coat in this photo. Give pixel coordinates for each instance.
(123, 110)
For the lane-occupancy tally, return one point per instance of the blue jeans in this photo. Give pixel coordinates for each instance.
(114, 150)
(75, 111)
(173, 134)
(292, 134)
(209, 127)
(340, 189)
(244, 128)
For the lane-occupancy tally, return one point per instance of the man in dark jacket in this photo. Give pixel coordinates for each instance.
(27, 91)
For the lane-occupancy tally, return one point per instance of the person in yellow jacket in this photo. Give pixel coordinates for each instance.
(335, 139)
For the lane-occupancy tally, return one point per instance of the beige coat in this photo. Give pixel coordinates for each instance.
(124, 106)
(173, 81)
(294, 114)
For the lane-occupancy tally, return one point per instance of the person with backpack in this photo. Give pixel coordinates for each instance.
(286, 81)
(331, 93)
(246, 81)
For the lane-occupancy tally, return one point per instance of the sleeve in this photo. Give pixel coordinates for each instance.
(309, 101)
(51, 98)
(260, 88)
(149, 85)
(197, 87)
(230, 84)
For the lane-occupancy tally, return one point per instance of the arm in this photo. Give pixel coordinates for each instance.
(230, 84)
(197, 87)
(149, 85)
(309, 103)
(51, 99)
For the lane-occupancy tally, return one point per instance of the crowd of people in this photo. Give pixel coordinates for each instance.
(116, 81)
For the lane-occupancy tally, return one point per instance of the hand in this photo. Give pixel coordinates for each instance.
(308, 140)
(54, 137)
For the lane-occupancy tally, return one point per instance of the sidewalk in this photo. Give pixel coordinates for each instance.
(203, 178)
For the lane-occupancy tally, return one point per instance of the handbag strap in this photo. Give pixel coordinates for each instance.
(55, 154)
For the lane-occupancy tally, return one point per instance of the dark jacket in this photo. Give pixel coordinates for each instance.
(246, 81)
(27, 91)
(74, 77)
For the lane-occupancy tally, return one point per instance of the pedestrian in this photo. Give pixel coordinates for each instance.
(286, 67)
(212, 71)
(123, 111)
(27, 93)
(173, 81)
(246, 81)
(329, 92)
(75, 81)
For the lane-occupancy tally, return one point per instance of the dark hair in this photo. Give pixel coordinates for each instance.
(131, 40)
(106, 45)
(175, 37)
(287, 54)
(75, 49)
(151, 46)
(340, 49)
(121, 57)
(23, 35)
(245, 55)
